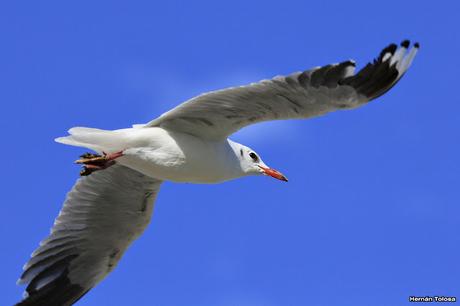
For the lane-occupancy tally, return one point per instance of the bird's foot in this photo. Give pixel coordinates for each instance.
(95, 162)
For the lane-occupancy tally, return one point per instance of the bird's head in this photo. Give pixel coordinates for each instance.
(252, 164)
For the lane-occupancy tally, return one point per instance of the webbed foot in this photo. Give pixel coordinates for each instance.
(94, 162)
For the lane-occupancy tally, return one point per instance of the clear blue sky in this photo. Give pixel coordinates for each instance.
(371, 213)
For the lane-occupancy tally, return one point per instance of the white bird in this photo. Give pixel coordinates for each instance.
(111, 204)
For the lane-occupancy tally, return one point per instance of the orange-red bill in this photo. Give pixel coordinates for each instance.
(274, 173)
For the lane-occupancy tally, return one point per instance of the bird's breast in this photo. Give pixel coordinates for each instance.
(181, 157)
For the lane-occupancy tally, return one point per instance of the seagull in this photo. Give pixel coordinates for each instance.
(111, 203)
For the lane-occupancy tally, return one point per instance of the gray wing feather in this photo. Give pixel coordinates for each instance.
(218, 114)
(101, 216)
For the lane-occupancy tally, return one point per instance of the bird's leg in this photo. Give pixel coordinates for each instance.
(95, 162)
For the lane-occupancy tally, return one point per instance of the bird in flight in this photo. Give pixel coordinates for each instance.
(111, 204)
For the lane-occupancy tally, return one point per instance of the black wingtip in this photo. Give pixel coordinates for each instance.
(389, 49)
(392, 48)
(405, 43)
(379, 76)
(350, 63)
(417, 45)
(56, 292)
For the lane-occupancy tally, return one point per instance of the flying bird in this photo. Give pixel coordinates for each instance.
(111, 204)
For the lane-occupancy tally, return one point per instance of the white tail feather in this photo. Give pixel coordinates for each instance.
(94, 139)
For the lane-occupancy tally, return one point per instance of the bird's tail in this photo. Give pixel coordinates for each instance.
(94, 139)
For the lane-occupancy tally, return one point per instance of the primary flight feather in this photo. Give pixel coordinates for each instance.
(111, 204)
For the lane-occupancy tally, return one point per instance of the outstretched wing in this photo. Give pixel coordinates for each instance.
(101, 216)
(218, 114)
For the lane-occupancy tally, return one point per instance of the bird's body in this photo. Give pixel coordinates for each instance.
(106, 210)
(165, 155)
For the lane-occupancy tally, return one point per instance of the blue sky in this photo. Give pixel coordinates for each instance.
(371, 213)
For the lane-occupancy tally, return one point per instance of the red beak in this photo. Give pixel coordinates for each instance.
(274, 173)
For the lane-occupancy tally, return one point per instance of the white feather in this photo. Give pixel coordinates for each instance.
(407, 61)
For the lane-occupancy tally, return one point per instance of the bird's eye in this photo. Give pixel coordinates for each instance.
(254, 156)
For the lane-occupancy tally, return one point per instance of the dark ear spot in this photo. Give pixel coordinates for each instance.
(241, 152)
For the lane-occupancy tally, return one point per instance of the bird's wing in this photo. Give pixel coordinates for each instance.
(102, 214)
(218, 114)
